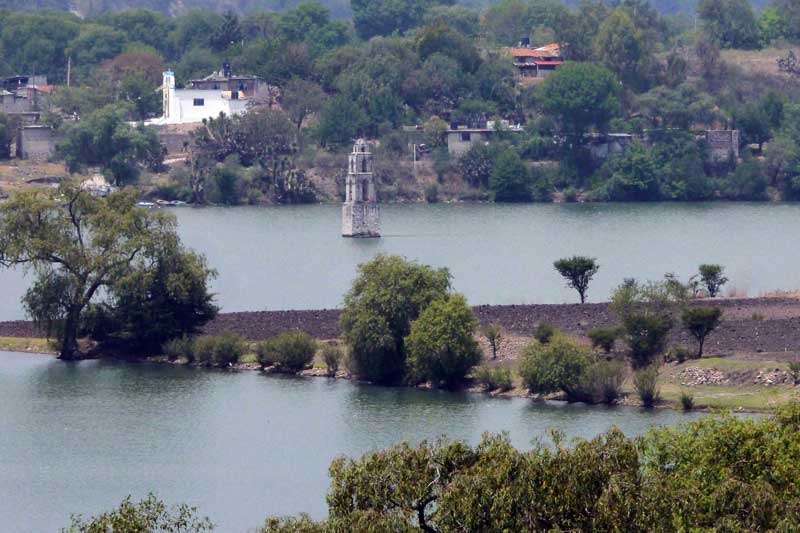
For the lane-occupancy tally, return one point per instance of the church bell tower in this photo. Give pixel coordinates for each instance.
(360, 212)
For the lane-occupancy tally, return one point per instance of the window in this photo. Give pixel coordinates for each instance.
(363, 165)
(466, 137)
(198, 102)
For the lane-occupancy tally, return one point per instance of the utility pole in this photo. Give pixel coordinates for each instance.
(69, 68)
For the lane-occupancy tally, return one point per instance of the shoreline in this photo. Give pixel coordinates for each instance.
(757, 336)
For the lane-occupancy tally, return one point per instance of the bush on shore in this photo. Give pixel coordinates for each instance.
(646, 383)
(568, 366)
(179, 347)
(331, 356)
(603, 338)
(219, 350)
(441, 346)
(494, 378)
(291, 351)
(544, 332)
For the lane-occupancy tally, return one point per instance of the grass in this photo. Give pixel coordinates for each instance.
(759, 398)
(27, 344)
(726, 364)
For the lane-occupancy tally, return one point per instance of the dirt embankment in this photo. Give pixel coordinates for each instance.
(751, 327)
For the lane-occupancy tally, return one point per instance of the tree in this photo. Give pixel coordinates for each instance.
(106, 140)
(632, 175)
(8, 130)
(713, 278)
(578, 271)
(700, 322)
(227, 33)
(494, 336)
(477, 163)
(164, 295)
(624, 49)
(93, 45)
(441, 346)
(730, 23)
(646, 335)
(388, 294)
(754, 124)
(301, 98)
(581, 96)
(510, 180)
(341, 121)
(76, 244)
(150, 514)
(384, 17)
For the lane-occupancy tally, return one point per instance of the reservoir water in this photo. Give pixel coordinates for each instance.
(79, 437)
(293, 257)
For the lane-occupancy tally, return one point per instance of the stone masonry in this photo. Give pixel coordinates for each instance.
(360, 211)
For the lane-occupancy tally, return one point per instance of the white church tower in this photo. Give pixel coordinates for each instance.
(360, 212)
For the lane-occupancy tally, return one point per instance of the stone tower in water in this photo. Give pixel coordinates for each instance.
(360, 212)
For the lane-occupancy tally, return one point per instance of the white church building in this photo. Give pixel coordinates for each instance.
(206, 98)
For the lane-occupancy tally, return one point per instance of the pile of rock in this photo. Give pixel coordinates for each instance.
(772, 377)
(694, 376)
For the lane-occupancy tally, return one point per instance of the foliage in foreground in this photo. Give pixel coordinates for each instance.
(291, 350)
(719, 473)
(150, 515)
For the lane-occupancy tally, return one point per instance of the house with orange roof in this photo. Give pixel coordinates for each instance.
(535, 64)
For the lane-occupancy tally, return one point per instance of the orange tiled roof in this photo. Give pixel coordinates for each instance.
(547, 50)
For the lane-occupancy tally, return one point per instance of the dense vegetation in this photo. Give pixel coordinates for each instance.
(425, 63)
(720, 473)
(105, 266)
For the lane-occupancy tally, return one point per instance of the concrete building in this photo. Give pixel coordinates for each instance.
(460, 138)
(360, 211)
(36, 142)
(723, 145)
(24, 97)
(203, 101)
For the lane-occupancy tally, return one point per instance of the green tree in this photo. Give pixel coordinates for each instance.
(646, 335)
(301, 98)
(559, 365)
(8, 131)
(164, 295)
(76, 244)
(772, 25)
(384, 17)
(625, 49)
(494, 336)
(388, 294)
(149, 514)
(510, 180)
(341, 121)
(713, 278)
(729, 23)
(227, 34)
(477, 163)
(700, 322)
(754, 125)
(581, 96)
(106, 140)
(578, 271)
(94, 44)
(632, 175)
(441, 345)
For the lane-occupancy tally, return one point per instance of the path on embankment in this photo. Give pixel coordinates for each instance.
(751, 326)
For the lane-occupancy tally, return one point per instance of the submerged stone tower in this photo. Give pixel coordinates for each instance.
(360, 212)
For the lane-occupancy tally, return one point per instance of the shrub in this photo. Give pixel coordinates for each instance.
(701, 321)
(543, 332)
(441, 346)
(220, 350)
(794, 371)
(602, 382)
(179, 347)
(646, 335)
(687, 401)
(432, 193)
(557, 365)
(291, 350)
(646, 383)
(331, 356)
(497, 378)
(603, 338)
(679, 353)
(571, 195)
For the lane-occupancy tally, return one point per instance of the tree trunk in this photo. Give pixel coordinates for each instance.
(69, 341)
(700, 351)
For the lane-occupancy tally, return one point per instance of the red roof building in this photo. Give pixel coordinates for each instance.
(536, 63)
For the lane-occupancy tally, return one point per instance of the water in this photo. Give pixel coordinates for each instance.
(78, 438)
(294, 258)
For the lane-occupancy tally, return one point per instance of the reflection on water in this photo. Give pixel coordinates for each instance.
(79, 437)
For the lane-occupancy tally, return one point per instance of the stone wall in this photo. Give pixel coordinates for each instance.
(360, 219)
(723, 145)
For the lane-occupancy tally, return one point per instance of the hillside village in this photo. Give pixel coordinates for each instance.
(444, 106)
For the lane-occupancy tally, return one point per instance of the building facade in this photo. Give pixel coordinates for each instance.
(535, 64)
(360, 211)
(188, 106)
